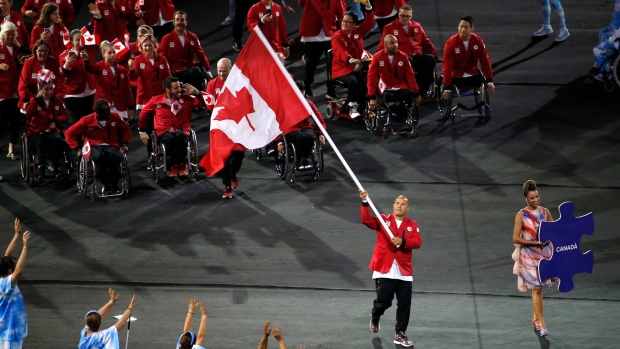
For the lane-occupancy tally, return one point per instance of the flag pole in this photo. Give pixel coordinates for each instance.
(318, 123)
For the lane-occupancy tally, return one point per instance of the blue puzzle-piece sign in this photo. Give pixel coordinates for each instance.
(565, 235)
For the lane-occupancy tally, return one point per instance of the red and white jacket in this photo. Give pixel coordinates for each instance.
(113, 22)
(112, 87)
(385, 252)
(29, 84)
(92, 132)
(181, 57)
(55, 41)
(22, 33)
(67, 14)
(395, 75)
(345, 47)
(151, 10)
(149, 77)
(165, 120)
(274, 30)
(76, 77)
(414, 42)
(9, 78)
(40, 115)
(457, 60)
(214, 88)
(384, 8)
(318, 15)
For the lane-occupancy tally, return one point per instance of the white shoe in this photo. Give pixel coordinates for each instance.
(354, 114)
(544, 30)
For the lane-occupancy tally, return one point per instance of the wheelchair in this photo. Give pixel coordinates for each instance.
(481, 108)
(395, 117)
(87, 185)
(611, 79)
(339, 107)
(159, 160)
(287, 163)
(29, 161)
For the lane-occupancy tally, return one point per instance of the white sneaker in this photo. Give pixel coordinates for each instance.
(353, 113)
(544, 30)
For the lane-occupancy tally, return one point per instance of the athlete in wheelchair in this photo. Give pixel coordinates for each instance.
(413, 41)
(607, 61)
(393, 92)
(466, 66)
(174, 142)
(300, 151)
(105, 136)
(44, 138)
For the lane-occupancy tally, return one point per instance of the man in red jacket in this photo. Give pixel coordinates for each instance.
(391, 263)
(269, 17)
(319, 22)
(106, 133)
(412, 40)
(185, 55)
(463, 54)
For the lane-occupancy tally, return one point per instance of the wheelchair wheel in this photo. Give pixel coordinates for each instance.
(445, 108)
(67, 162)
(329, 111)
(27, 162)
(258, 153)
(413, 113)
(317, 158)
(194, 148)
(482, 95)
(615, 69)
(292, 162)
(370, 119)
(282, 160)
(125, 176)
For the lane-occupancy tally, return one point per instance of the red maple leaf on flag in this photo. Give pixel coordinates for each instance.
(235, 108)
(117, 47)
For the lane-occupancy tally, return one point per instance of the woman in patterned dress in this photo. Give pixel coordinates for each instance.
(529, 251)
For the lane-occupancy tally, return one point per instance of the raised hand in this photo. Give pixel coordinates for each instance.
(113, 296)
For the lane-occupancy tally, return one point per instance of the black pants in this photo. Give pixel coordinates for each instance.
(467, 83)
(148, 130)
(356, 86)
(386, 289)
(382, 22)
(232, 164)
(193, 76)
(9, 119)
(79, 107)
(241, 17)
(46, 143)
(423, 66)
(303, 140)
(107, 160)
(314, 51)
(176, 146)
(160, 30)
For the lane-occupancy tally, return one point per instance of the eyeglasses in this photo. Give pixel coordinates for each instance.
(347, 22)
(43, 51)
(405, 16)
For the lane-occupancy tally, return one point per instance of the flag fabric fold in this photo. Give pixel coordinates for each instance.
(257, 103)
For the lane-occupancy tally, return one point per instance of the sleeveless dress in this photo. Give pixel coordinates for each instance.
(527, 257)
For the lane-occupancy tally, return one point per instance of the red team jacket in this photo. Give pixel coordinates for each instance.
(89, 128)
(414, 42)
(112, 87)
(29, 84)
(165, 118)
(22, 33)
(41, 116)
(214, 88)
(67, 14)
(318, 15)
(458, 61)
(113, 22)
(383, 8)
(307, 122)
(181, 57)
(55, 41)
(398, 74)
(274, 30)
(151, 10)
(149, 77)
(9, 78)
(77, 77)
(385, 252)
(345, 47)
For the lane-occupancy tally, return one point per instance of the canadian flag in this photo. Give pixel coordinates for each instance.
(209, 98)
(120, 49)
(89, 39)
(258, 102)
(66, 39)
(86, 150)
(44, 75)
(175, 107)
(382, 85)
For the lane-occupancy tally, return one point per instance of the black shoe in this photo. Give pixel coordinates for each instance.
(309, 92)
(237, 46)
(41, 175)
(331, 94)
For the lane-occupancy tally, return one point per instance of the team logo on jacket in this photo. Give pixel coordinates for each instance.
(34, 75)
(161, 66)
(409, 229)
(157, 105)
(395, 32)
(356, 36)
(191, 43)
(123, 8)
(217, 90)
(122, 76)
(415, 30)
(400, 64)
(142, 66)
(106, 12)
(38, 108)
(381, 63)
(475, 47)
(58, 2)
(53, 76)
(90, 128)
(457, 50)
(172, 45)
(113, 123)
(2, 56)
(277, 14)
(105, 72)
(57, 107)
(181, 101)
(387, 224)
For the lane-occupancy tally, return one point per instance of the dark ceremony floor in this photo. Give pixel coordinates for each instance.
(297, 254)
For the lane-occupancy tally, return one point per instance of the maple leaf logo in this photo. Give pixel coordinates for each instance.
(235, 108)
(89, 39)
(117, 47)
